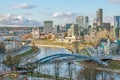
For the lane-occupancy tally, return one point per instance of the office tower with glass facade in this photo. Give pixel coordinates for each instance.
(99, 17)
(117, 21)
(48, 27)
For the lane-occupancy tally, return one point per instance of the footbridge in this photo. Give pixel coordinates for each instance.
(66, 57)
(59, 58)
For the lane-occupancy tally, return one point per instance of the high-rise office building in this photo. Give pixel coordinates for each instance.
(48, 27)
(68, 25)
(117, 26)
(99, 17)
(80, 21)
(86, 22)
(117, 21)
(57, 28)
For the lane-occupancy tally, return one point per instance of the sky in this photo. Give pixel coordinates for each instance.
(34, 12)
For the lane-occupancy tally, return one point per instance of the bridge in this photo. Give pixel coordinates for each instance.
(94, 53)
(60, 58)
(109, 57)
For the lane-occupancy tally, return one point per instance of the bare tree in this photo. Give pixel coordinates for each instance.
(89, 72)
(57, 66)
(70, 70)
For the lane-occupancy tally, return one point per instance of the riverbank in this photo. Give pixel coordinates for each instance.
(113, 66)
(15, 60)
(21, 51)
(53, 46)
(73, 47)
(27, 53)
(45, 76)
(51, 43)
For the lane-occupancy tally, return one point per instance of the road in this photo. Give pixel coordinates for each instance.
(39, 45)
(24, 49)
(3, 56)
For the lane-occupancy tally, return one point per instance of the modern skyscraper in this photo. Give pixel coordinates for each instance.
(86, 22)
(57, 28)
(99, 17)
(68, 25)
(117, 21)
(80, 21)
(48, 27)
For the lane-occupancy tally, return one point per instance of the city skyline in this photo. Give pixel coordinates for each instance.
(34, 13)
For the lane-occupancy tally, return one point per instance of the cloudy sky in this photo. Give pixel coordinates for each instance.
(34, 12)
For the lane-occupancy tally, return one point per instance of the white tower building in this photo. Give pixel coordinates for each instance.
(35, 33)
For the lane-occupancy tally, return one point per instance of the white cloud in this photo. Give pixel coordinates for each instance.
(23, 6)
(109, 19)
(15, 20)
(66, 16)
(115, 1)
(27, 14)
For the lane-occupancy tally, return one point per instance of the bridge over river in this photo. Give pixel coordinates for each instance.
(60, 58)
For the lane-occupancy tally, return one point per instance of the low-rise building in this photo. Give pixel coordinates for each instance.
(109, 47)
(11, 44)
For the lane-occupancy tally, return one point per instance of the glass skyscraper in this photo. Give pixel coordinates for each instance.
(117, 21)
